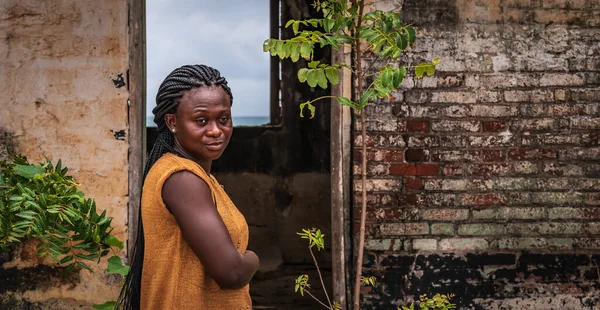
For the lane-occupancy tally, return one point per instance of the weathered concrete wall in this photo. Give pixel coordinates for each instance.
(62, 65)
(484, 180)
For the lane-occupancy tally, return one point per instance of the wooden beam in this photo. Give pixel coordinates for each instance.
(137, 113)
(341, 150)
(275, 83)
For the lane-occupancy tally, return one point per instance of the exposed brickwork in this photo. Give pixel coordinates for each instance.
(501, 158)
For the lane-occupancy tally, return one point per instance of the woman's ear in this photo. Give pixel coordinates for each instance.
(171, 120)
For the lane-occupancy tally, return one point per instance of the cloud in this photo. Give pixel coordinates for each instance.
(226, 35)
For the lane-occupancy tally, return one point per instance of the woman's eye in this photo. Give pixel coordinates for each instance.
(201, 121)
(224, 119)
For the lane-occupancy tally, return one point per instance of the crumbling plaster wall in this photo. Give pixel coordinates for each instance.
(484, 180)
(62, 78)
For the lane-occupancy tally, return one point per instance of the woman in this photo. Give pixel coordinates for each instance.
(194, 240)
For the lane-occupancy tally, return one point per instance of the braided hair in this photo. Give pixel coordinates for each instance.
(168, 99)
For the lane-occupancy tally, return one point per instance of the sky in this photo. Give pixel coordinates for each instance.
(224, 34)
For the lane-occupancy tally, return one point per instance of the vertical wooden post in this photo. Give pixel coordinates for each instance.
(341, 194)
(137, 113)
(275, 85)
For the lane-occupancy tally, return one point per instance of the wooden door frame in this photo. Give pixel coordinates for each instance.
(136, 79)
(340, 144)
(341, 190)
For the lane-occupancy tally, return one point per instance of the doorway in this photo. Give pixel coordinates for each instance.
(278, 175)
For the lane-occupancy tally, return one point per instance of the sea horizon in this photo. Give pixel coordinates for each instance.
(237, 121)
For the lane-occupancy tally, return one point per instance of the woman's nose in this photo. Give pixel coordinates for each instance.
(214, 130)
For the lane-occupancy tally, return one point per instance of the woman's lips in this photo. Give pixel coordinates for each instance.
(215, 146)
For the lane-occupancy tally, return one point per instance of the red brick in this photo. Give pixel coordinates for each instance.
(413, 183)
(415, 155)
(408, 199)
(531, 154)
(427, 169)
(414, 169)
(493, 126)
(403, 169)
(417, 125)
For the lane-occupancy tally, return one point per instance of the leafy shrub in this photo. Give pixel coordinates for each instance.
(437, 302)
(42, 202)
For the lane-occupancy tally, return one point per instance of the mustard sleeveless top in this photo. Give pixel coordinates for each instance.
(172, 275)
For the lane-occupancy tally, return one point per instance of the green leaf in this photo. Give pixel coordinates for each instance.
(398, 77)
(347, 102)
(109, 305)
(314, 22)
(83, 265)
(366, 32)
(113, 241)
(412, 35)
(115, 266)
(420, 69)
(277, 48)
(379, 45)
(402, 40)
(295, 27)
(311, 108)
(27, 214)
(430, 70)
(302, 75)
(321, 78)
(328, 24)
(28, 171)
(311, 78)
(267, 45)
(93, 256)
(65, 259)
(295, 52)
(286, 50)
(306, 50)
(332, 75)
(313, 64)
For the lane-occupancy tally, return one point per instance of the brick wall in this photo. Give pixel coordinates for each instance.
(484, 180)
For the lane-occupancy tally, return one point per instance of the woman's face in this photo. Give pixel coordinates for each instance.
(202, 123)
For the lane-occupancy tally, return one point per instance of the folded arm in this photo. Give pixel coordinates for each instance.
(189, 198)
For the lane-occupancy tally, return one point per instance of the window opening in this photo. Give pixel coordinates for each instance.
(226, 35)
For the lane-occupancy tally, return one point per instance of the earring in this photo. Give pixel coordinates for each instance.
(173, 130)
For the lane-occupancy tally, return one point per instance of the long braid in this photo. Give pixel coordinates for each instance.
(167, 101)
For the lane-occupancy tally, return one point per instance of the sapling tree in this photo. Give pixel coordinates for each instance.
(376, 34)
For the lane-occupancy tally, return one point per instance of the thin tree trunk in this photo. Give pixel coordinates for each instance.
(363, 215)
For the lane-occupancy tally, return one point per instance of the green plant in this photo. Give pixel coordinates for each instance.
(437, 302)
(344, 23)
(316, 239)
(40, 201)
(115, 266)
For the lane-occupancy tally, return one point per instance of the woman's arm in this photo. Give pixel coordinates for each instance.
(189, 198)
